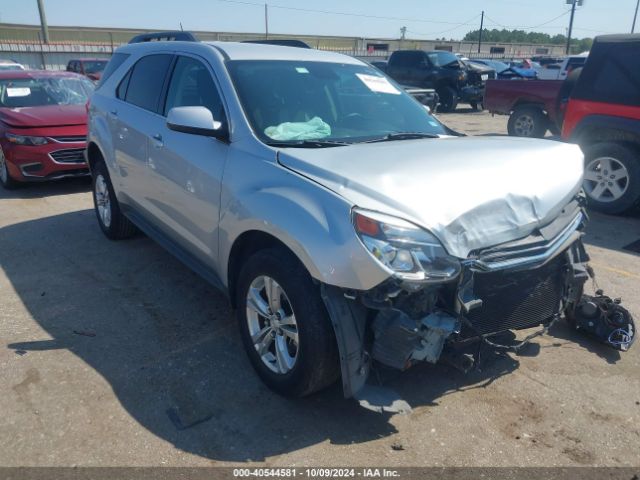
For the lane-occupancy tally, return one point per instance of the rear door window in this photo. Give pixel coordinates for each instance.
(147, 79)
(407, 59)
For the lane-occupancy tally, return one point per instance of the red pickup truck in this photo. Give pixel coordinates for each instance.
(534, 106)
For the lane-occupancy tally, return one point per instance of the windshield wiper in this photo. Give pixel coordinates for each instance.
(308, 143)
(403, 136)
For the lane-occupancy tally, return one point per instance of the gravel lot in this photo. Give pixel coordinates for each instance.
(111, 348)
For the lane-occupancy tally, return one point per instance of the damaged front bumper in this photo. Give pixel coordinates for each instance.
(513, 286)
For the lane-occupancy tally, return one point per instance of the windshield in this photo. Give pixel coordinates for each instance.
(36, 92)
(442, 59)
(94, 66)
(288, 100)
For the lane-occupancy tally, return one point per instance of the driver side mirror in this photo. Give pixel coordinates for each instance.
(196, 121)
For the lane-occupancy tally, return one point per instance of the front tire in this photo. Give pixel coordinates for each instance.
(528, 122)
(448, 99)
(7, 181)
(110, 218)
(284, 325)
(612, 177)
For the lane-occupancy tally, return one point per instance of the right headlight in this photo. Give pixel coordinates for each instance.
(411, 252)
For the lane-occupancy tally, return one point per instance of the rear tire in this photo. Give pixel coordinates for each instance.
(7, 181)
(612, 177)
(528, 122)
(448, 99)
(310, 363)
(110, 218)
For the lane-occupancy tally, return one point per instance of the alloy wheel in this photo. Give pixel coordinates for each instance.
(272, 325)
(103, 201)
(606, 179)
(524, 125)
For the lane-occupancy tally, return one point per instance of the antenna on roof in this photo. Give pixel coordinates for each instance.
(181, 29)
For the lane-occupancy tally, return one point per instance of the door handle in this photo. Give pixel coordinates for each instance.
(157, 141)
(113, 113)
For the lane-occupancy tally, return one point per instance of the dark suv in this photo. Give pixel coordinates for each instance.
(603, 117)
(440, 70)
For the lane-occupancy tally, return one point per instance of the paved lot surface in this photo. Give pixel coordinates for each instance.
(101, 343)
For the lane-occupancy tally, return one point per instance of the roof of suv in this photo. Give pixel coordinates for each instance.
(251, 51)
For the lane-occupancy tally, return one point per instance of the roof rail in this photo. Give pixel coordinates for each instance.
(280, 42)
(173, 36)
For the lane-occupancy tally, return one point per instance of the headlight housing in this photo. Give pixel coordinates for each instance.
(413, 254)
(26, 140)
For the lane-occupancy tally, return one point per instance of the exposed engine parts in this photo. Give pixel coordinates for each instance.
(606, 320)
(400, 341)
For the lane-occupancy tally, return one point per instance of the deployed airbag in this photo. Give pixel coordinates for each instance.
(311, 130)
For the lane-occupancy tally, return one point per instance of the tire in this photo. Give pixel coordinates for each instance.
(448, 99)
(110, 218)
(616, 169)
(7, 181)
(476, 106)
(315, 362)
(529, 122)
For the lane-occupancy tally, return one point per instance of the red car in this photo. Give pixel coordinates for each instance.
(92, 68)
(603, 117)
(43, 125)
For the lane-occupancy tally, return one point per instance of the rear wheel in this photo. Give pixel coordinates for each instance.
(110, 218)
(448, 99)
(612, 177)
(527, 122)
(5, 177)
(284, 325)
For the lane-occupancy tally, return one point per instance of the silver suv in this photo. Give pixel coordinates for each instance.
(346, 224)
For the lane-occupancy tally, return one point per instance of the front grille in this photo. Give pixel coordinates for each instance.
(517, 299)
(73, 155)
(71, 139)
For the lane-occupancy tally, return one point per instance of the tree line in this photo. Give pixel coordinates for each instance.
(520, 36)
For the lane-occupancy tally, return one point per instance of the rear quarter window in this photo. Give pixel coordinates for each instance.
(116, 60)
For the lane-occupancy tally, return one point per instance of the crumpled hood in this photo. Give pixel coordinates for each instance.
(471, 192)
(45, 116)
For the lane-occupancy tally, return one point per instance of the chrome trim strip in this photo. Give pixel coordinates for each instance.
(554, 247)
(56, 140)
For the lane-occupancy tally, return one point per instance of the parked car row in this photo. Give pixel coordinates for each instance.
(596, 106)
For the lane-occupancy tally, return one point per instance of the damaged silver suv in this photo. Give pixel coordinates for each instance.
(347, 225)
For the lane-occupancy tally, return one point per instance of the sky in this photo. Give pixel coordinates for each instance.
(424, 19)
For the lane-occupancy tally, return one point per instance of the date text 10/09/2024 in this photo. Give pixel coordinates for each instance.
(277, 473)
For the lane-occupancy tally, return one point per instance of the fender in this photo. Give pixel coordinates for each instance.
(624, 129)
(312, 221)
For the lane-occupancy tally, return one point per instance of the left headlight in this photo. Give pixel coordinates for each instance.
(411, 252)
(26, 140)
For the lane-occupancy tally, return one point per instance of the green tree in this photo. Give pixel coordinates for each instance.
(520, 36)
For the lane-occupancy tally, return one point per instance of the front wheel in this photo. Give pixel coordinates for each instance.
(448, 99)
(284, 325)
(5, 177)
(612, 177)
